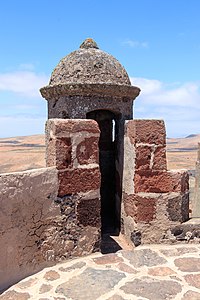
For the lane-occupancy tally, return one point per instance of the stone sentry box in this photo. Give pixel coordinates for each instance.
(133, 192)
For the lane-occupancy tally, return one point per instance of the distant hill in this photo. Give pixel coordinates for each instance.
(28, 152)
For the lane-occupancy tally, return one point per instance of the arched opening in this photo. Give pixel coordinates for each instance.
(108, 153)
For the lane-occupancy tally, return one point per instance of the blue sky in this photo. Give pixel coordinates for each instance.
(157, 41)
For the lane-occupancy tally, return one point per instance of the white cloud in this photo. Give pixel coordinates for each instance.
(159, 93)
(26, 83)
(178, 104)
(135, 44)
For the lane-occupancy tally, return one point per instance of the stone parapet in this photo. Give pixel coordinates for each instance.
(154, 199)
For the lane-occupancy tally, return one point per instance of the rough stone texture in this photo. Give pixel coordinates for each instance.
(54, 213)
(88, 151)
(13, 295)
(152, 288)
(126, 268)
(196, 202)
(107, 259)
(51, 275)
(45, 288)
(160, 271)
(59, 153)
(159, 161)
(146, 132)
(75, 266)
(144, 257)
(188, 264)
(87, 212)
(186, 232)
(154, 199)
(78, 180)
(27, 218)
(178, 251)
(89, 65)
(84, 74)
(193, 280)
(140, 208)
(161, 182)
(104, 281)
(190, 295)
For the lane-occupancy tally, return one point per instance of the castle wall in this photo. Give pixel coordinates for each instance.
(196, 201)
(154, 199)
(52, 214)
(28, 217)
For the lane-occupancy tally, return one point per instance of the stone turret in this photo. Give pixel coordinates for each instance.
(89, 79)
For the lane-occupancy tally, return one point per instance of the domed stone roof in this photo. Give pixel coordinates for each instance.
(89, 65)
(89, 71)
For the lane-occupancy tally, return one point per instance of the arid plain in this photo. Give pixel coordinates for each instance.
(28, 152)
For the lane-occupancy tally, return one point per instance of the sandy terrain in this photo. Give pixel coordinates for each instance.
(22, 153)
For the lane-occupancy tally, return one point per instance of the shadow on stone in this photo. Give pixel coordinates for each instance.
(109, 245)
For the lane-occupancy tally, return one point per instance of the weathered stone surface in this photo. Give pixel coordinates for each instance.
(159, 161)
(75, 266)
(160, 271)
(178, 251)
(88, 151)
(143, 257)
(178, 208)
(142, 209)
(146, 131)
(59, 153)
(27, 283)
(78, 180)
(88, 212)
(45, 288)
(126, 268)
(152, 289)
(188, 264)
(193, 279)
(101, 68)
(102, 280)
(107, 259)
(51, 275)
(143, 157)
(191, 295)
(27, 218)
(116, 297)
(161, 181)
(13, 295)
(60, 128)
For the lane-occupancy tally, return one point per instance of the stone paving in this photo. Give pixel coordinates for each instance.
(153, 272)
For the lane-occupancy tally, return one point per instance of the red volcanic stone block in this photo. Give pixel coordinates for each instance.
(161, 181)
(159, 159)
(61, 127)
(59, 153)
(88, 212)
(73, 181)
(142, 209)
(87, 151)
(178, 207)
(143, 158)
(146, 131)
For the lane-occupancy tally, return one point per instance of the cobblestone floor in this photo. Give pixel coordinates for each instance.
(155, 272)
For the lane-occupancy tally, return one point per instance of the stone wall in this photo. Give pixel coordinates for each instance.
(196, 202)
(154, 199)
(28, 218)
(51, 214)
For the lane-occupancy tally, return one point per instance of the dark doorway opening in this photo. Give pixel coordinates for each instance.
(107, 122)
